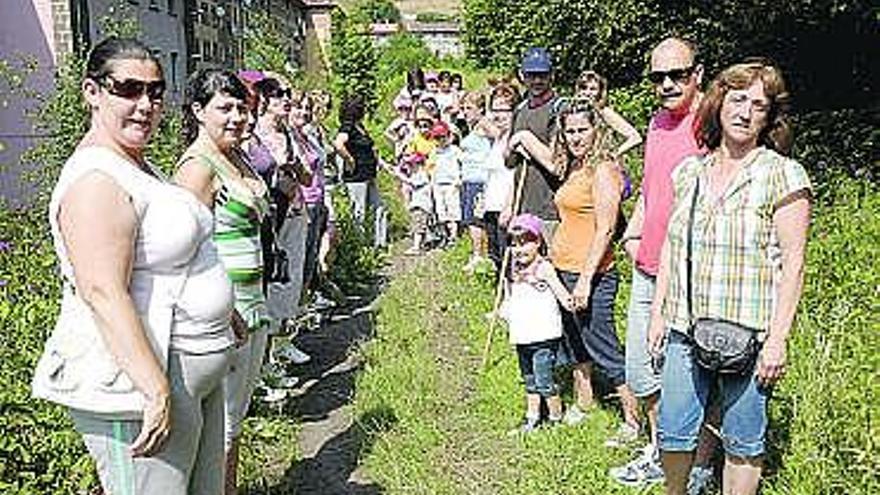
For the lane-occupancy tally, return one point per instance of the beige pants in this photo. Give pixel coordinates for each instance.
(192, 461)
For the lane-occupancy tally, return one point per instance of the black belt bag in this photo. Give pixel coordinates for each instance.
(724, 347)
(718, 345)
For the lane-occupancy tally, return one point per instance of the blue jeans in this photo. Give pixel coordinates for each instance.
(684, 397)
(536, 361)
(589, 334)
(640, 374)
(470, 193)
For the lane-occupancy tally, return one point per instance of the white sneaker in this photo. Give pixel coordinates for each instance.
(574, 415)
(293, 354)
(699, 480)
(625, 435)
(643, 470)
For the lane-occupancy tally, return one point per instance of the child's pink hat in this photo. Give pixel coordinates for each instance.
(526, 222)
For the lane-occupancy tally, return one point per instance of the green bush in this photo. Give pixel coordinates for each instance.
(828, 49)
(39, 450)
(352, 59)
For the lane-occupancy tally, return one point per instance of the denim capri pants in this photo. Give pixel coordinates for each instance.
(536, 362)
(590, 335)
(685, 396)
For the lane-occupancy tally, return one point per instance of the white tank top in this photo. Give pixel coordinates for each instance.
(178, 285)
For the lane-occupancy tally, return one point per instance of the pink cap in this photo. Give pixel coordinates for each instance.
(440, 129)
(526, 222)
(431, 76)
(251, 76)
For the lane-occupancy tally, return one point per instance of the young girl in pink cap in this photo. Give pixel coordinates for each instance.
(534, 319)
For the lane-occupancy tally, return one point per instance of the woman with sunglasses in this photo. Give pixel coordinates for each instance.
(734, 254)
(286, 175)
(215, 169)
(593, 87)
(142, 343)
(588, 202)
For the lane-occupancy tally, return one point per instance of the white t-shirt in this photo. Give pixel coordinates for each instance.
(532, 311)
(499, 184)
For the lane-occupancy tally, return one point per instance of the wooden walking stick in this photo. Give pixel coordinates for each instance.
(505, 259)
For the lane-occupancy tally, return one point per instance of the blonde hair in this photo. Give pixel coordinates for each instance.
(589, 76)
(600, 150)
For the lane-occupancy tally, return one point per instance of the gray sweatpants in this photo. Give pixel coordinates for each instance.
(192, 461)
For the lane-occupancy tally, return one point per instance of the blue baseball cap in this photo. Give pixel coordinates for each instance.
(536, 59)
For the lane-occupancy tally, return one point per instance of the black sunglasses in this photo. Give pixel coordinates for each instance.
(518, 238)
(676, 75)
(282, 93)
(132, 89)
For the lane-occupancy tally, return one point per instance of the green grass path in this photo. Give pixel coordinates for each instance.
(445, 424)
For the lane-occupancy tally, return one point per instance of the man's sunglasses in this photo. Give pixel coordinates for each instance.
(676, 75)
(132, 89)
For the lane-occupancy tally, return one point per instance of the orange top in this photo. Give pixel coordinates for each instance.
(576, 202)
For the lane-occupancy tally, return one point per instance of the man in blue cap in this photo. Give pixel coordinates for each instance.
(537, 114)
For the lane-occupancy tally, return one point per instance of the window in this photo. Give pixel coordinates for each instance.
(171, 8)
(174, 71)
(154, 4)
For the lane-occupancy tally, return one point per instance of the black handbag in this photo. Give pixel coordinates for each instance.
(718, 345)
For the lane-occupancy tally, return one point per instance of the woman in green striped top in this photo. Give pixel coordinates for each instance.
(215, 170)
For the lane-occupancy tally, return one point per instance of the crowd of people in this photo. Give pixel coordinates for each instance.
(174, 287)
(716, 240)
(179, 291)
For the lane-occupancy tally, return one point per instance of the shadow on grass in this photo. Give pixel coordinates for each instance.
(330, 470)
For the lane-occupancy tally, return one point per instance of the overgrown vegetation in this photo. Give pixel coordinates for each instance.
(449, 435)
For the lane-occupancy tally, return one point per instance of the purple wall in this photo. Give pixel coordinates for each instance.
(25, 30)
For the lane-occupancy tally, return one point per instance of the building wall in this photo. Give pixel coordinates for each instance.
(215, 34)
(162, 29)
(27, 30)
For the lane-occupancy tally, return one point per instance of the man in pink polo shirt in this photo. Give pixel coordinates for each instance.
(676, 77)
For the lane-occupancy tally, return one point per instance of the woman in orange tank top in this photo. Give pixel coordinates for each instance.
(589, 203)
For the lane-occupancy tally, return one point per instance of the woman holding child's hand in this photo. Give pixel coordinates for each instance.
(588, 203)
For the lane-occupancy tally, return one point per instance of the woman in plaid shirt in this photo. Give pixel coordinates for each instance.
(750, 226)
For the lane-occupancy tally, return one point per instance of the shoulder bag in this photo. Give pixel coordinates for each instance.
(719, 345)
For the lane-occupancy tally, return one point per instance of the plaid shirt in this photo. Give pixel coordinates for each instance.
(736, 256)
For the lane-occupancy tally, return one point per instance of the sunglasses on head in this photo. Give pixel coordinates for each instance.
(424, 124)
(134, 88)
(676, 75)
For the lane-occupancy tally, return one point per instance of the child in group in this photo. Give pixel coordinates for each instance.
(420, 205)
(401, 129)
(534, 319)
(444, 165)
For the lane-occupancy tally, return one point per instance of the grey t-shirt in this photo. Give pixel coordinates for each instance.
(540, 185)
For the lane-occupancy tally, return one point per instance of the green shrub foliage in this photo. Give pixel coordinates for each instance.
(353, 58)
(827, 48)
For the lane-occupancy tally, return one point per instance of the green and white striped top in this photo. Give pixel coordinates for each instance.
(240, 204)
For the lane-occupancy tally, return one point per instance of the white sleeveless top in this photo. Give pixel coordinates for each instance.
(532, 312)
(178, 285)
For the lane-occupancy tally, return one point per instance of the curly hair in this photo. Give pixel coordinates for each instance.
(776, 134)
(562, 157)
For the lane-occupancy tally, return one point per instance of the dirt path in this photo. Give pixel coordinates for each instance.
(330, 440)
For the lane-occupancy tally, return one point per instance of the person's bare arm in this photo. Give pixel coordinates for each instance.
(529, 143)
(632, 236)
(620, 125)
(607, 190)
(339, 144)
(548, 274)
(791, 222)
(99, 225)
(657, 328)
(197, 177)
